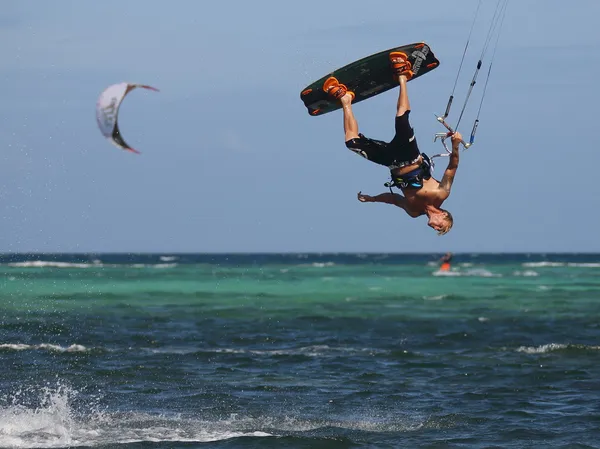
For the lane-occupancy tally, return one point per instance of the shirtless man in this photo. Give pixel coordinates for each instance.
(410, 169)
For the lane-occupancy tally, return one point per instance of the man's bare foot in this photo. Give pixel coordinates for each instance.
(347, 98)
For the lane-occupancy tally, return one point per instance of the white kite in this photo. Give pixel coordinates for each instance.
(107, 112)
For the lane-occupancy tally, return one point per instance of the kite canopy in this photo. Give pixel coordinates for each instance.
(107, 112)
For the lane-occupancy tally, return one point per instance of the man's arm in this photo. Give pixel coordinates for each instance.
(389, 198)
(448, 178)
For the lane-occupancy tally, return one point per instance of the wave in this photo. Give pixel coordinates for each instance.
(542, 264)
(435, 297)
(447, 273)
(155, 265)
(49, 420)
(322, 264)
(546, 264)
(43, 346)
(93, 264)
(51, 264)
(526, 273)
(553, 347)
(475, 272)
(51, 417)
(307, 351)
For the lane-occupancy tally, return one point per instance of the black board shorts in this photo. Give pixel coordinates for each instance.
(402, 150)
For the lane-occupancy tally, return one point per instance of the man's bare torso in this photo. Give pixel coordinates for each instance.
(417, 199)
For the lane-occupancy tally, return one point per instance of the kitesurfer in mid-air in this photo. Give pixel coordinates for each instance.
(410, 169)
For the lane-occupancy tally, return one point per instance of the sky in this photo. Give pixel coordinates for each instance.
(232, 162)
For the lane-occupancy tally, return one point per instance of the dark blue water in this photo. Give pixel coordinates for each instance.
(299, 351)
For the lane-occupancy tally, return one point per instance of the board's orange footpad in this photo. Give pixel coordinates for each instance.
(335, 89)
(401, 65)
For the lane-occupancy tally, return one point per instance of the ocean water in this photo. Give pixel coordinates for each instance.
(299, 351)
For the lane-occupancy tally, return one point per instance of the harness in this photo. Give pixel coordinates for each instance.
(413, 179)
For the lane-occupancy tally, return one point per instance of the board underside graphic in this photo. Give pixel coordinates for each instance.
(367, 77)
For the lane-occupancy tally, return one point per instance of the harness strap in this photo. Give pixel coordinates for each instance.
(414, 178)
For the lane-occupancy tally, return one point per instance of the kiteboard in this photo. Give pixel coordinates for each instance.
(368, 77)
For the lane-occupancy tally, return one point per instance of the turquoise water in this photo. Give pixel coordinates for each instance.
(299, 350)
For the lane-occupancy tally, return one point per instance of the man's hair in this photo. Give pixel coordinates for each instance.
(450, 222)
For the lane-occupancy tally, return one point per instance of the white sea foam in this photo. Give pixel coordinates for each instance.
(561, 264)
(584, 265)
(93, 264)
(150, 265)
(543, 264)
(447, 273)
(51, 264)
(474, 272)
(163, 265)
(482, 272)
(47, 419)
(43, 346)
(541, 349)
(553, 347)
(49, 424)
(435, 297)
(526, 273)
(309, 351)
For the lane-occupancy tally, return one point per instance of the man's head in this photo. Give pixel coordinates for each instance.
(441, 220)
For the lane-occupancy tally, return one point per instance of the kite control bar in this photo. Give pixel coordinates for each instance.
(451, 131)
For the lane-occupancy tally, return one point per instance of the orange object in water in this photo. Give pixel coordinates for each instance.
(445, 266)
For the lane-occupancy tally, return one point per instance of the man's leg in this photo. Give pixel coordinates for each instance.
(350, 123)
(340, 92)
(402, 70)
(403, 102)
(373, 150)
(403, 145)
